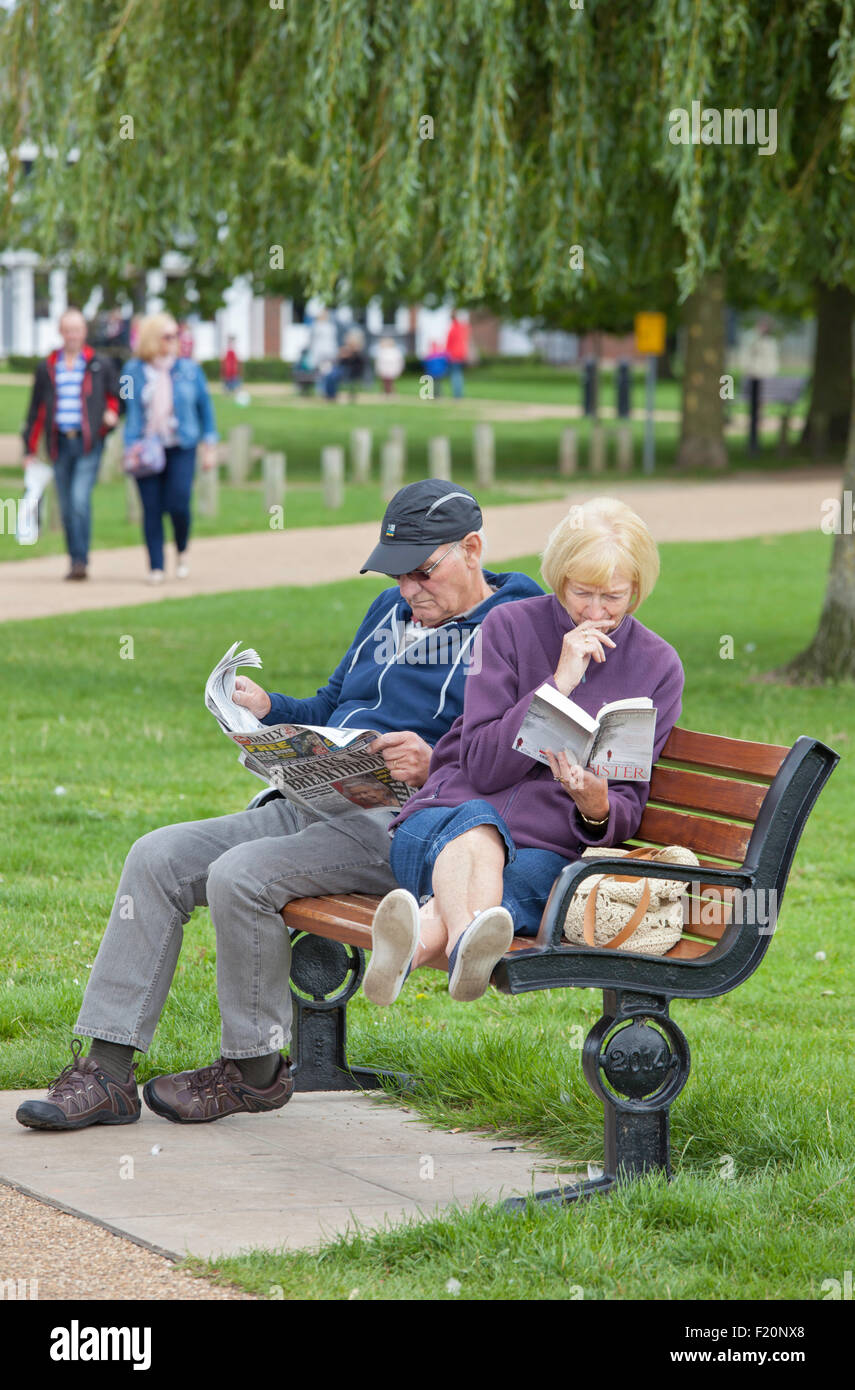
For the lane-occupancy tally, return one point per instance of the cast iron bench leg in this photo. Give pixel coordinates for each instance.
(325, 974)
(636, 1060)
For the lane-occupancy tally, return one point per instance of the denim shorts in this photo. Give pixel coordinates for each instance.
(528, 876)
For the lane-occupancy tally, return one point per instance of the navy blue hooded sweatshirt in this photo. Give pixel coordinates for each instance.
(420, 689)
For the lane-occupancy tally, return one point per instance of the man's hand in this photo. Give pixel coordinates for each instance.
(590, 793)
(109, 419)
(406, 755)
(251, 696)
(208, 454)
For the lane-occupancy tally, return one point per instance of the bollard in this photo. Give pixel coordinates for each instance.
(597, 450)
(589, 385)
(391, 469)
(624, 447)
(754, 399)
(623, 382)
(439, 458)
(567, 453)
(485, 456)
(111, 456)
(273, 476)
(240, 443)
(360, 455)
(332, 475)
(398, 435)
(208, 491)
(133, 504)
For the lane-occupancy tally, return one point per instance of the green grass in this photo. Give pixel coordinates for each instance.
(134, 748)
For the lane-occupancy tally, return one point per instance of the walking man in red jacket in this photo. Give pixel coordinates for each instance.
(74, 401)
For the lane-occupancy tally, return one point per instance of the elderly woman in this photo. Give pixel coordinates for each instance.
(168, 412)
(482, 842)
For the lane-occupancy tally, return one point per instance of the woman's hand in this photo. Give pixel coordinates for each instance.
(251, 696)
(209, 457)
(578, 647)
(590, 793)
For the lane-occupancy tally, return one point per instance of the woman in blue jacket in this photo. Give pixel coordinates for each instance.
(168, 413)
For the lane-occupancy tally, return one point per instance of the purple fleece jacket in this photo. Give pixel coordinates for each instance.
(476, 760)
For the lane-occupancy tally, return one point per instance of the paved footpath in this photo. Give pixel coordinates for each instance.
(736, 507)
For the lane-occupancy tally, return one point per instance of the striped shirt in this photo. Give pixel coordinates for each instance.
(69, 383)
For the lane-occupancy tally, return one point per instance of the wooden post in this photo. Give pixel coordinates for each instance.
(567, 453)
(624, 447)
(360, 455)
(133, 505)
(784, 436)
(439, 458)
(332, 475)
(111, 456)
(208, 491)
(597, 450)
(240, 443)
(273, 473)
(485, 455)
(391, 469)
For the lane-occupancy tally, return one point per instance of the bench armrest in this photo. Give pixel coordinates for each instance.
(551, 931)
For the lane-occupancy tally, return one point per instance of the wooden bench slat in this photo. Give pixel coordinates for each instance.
(719, 754)
(687, 950)
(699, 833)
(696, 791)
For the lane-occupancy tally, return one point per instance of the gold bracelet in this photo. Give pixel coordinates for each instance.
(595, 823)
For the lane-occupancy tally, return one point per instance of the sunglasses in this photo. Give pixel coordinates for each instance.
(421, 575)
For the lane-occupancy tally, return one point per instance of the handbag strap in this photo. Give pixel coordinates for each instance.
(625, 931)
(643, 852)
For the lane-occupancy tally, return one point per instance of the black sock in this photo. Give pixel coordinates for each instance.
(116, 1059)
(259, 1071)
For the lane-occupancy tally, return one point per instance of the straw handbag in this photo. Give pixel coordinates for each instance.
(635, 913)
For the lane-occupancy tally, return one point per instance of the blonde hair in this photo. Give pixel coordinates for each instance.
(150, 333)
(593, 540)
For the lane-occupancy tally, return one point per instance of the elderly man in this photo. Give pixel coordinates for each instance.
(74, 402)
(402, 675)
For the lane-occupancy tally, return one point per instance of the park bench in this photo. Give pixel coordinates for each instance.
(741, 806)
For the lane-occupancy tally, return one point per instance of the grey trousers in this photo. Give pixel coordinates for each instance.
(245, 867)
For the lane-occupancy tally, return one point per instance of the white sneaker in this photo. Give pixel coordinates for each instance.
(394, 938)
(478, 952)
(155, 577)
(183, 570)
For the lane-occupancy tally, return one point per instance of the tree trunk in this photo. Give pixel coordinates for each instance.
(827, 424)
(831, 654)
(702, 437)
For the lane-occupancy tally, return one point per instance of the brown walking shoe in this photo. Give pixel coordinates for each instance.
(196, 1097)
(82, 1095)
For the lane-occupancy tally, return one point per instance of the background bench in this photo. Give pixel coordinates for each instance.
(741, 807)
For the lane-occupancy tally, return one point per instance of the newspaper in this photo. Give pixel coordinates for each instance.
(323, 769)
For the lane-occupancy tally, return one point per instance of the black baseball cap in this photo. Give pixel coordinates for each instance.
(419, 518)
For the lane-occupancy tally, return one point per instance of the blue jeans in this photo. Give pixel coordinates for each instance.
(528, 875)
(76, 474)
(168, 491)
(455, 373)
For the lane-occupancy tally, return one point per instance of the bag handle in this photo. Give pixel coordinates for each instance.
(625, 931)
